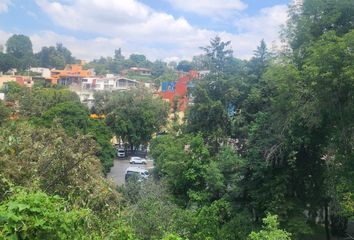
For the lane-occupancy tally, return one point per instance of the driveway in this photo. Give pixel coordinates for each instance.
(117, 172)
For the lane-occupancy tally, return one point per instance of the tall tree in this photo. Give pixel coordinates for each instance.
(184, 66)
(7, 62)
(260, 60)
(20, 47)
(218, 53)
(135, 115)
(312, 18)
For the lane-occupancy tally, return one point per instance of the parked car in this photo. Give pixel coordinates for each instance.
(137, 160)
(136, 172)
(121, 152)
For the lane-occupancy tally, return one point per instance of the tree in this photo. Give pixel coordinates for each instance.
(20, 47)
(200, 62)
(270, 230)
(185, 171)
(37, 101)
(65, 53)
(139, 60)
(118, 55)
(102, 134)
(218, 52)
(260, 61)
(184, 66)
(158, 68)
(54, 57)
(215, 97)
(7, 62)
(49, 57)
(73, 117)
(135, 115)
(156, 214)
(310, 20)
(169, 75)
(63, 165)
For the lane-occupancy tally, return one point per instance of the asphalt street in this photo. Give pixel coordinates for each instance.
(117, 172)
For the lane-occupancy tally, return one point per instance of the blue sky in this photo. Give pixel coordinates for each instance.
(160, 29)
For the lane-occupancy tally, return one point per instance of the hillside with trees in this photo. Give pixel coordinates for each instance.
(266, 150)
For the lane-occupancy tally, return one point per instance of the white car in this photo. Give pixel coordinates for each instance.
(121, 152)
(139, 173)
(137, 160)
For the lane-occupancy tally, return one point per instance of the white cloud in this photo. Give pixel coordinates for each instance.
(3, 38)
(85, 49)
(134, 23)
(208, 7)
(4, 5)
(137, 28)
(269, 18)
(266, 25)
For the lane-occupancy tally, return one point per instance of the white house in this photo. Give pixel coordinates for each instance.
(108, 83)
(45, 72)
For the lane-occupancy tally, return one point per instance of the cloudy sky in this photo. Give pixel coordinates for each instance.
(160, 29)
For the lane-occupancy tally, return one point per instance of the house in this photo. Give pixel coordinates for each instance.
(108, 83)
(125, 83)
(177, 92)
(44, 72)
(71, 74)
(140, 71)
(21, 80)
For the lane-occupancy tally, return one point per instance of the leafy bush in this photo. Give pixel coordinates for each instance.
(35, 215)
(270, 230)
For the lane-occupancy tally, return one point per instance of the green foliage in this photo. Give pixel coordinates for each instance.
(73, 117)
(139, 60)
(158, 68)
(135, 115)
(4, 112)
(171, 237)
(270, 230)
(54, 57)
(210, 220)
(184, 66)
(63, 165)
(20, 47)
(47, 106)
(184, 170)
(35, 215)
(153, 215)
(218, 53)
(7, 62)
(36, 102)
(13, 91)
(102, 134)
(167, 76)
(106, 65)
(314, 18)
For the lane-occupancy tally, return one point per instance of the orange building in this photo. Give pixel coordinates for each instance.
(72, 73)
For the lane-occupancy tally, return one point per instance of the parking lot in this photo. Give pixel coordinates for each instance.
(117, 172)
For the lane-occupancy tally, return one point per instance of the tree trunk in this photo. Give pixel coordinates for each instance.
(328, 235)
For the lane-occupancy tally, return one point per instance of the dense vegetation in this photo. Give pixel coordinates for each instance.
(265, 151)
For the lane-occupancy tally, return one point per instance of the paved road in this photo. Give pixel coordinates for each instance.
(117, 172)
